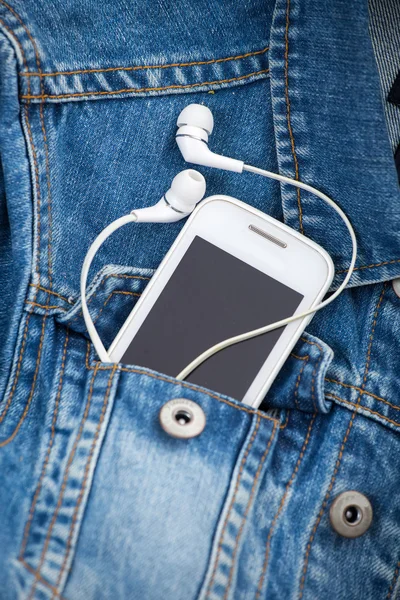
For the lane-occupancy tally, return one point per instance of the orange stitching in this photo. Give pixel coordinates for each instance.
(86, 475)
(32, 391)
(281, 505)
(339, 459)
(173, 382)
(249, 503)
(64, 483)
(364, 392)
(313, 382)
(241, 469)
(46, 460)
(40, 287)
(393, 582)
(303, 339)
(19, 364)
(11, 32)
(146, 67)
(385, 262)
(45, 306)
(296, 164)
(299, 357)
(109, 298)
(117, 276)
(25, 334)
(43, 131)
(41, 579)
(361, 407)
(285, 424)
(296, 391)
(148, 89)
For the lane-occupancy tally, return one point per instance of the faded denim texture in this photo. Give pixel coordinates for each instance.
(96, 500)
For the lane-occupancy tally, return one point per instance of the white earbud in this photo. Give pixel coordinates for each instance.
(195, 124)
(187, 189)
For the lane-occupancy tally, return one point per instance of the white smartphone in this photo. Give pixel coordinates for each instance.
(231, 269)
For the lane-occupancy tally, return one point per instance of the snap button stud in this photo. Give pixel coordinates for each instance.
(396, 286)
(182, 418)
(351, 514)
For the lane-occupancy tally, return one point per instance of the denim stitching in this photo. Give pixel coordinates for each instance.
(45, 306)
(40, 578)
(116, 275)
(122, 292)
(385, 262)
(342, 448)
(32, 391)
(37, 185)
(364, 392)
(241, 469)
(249, 504)
(44, 289)
(285, 424)
(86, 475)
(393, 582)
(294, 154)
(140, 90)
(180, 383)
(64, 483)
(361, 407)
(46, 460)
(38, 64)
(145, 67)
(48, 307)
(296, 400)
(281, 505)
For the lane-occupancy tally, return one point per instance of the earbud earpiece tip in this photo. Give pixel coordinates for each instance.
(197, 115)
(189, 186)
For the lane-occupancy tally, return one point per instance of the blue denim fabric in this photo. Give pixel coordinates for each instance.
(96, 500)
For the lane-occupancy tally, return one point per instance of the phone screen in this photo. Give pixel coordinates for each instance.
(212, 296)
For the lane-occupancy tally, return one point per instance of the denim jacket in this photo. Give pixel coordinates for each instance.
(96, 500)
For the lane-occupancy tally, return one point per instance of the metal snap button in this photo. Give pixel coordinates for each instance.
(396, 286)
(351, 514)
(182, 418)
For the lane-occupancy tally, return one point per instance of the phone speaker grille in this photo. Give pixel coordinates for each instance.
(267, 236)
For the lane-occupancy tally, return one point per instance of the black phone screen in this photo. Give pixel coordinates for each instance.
(212, 296)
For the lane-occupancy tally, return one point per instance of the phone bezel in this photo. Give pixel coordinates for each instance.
(302, 265)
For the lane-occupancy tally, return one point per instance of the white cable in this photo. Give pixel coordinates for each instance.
(131, 218)
(250, 334)
(101, 238)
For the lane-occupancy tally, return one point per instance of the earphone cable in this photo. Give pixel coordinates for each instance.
(261, 330)
(131, 218)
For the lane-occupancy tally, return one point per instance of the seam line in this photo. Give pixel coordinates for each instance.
(47, 457)
(99, 367)
(360, 407)
(288, 115)
(41, 579)
(281, 505)
(341, 451)
(249, 504)
(385, 262)
(146, 67)
(32, 391)
(145, 89)
(64, 484)
(232, 502)
(393, 582)
(86, 475)
(363, 392)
